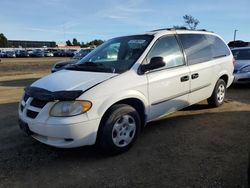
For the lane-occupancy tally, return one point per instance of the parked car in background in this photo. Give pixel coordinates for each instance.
(82, 53)
(48, 53)
(70, 52)
(21, 53)
(111, 94)
(9, 54)
(2, 53)
(29, 51)
(60, 53)
(37, 53)
(238, 44)
(242, 65)
(62, 64)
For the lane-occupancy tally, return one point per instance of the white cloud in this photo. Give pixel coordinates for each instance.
(125, 10)
(52, 30)
(115, 17)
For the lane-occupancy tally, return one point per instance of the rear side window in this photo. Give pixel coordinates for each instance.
(201, 48)
(219, 48)
(196, 48)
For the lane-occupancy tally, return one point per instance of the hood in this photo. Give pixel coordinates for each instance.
(240, 64)
(67, 80)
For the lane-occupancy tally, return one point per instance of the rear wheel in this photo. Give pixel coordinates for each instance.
(218, 95)
(119, 129)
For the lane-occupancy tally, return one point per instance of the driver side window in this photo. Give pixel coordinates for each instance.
(167, 48)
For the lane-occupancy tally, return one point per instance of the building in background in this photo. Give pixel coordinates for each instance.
(31, 44)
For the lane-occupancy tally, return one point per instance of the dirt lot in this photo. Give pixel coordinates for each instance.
(195, 147)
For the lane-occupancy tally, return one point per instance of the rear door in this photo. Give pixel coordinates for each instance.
(168, 87)
(199, 58)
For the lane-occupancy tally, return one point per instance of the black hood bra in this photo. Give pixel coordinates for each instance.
(46, 95)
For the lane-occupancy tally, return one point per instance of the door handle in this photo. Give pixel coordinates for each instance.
(194, 76)
(184, 78)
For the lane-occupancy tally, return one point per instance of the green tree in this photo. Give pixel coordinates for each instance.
(68, 43)
(75, 42)
(97, 42)
(93, 43)
(3, 40)
(83, 45)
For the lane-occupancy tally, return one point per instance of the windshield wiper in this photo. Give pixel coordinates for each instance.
(90, 63)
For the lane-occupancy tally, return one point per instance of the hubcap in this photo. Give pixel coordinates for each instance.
(123, 131)
(221, 93)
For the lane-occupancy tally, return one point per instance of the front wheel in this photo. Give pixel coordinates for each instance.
(218, 95)
(119, 129)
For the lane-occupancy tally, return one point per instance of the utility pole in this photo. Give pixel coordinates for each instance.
(235, 31)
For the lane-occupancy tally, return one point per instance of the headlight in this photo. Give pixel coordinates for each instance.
(70, 108)
(245, 69)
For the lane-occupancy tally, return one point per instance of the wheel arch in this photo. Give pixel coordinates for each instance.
(135, 102)
(138, 105)
(225, 78)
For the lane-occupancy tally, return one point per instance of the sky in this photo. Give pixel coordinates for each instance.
(86, 20)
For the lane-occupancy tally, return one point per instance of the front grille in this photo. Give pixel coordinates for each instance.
(38, 103)
(32, 114)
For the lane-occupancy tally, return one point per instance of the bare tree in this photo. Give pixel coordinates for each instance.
(190, 21)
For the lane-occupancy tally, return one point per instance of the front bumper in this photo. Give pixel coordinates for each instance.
(241, 78)
(64, 136)
(63, 132)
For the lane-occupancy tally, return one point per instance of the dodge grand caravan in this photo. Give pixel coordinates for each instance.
(109, 95)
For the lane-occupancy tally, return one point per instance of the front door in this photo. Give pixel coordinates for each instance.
(169, 86)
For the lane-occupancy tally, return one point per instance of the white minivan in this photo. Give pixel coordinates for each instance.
(114, 91)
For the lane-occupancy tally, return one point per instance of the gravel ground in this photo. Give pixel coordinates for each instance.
(195, 147)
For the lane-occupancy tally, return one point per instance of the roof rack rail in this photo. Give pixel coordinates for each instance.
(170, 28)
(201, 30)
(178, 28)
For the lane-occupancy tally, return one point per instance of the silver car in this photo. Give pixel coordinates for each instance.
(242, 65)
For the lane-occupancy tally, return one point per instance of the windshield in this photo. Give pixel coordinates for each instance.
(116, 55)
(81, 54)
(241, 54)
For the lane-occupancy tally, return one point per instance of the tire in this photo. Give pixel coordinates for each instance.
(119, 129)
(218, 95)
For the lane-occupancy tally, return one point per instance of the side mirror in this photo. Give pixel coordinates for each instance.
(155, 63)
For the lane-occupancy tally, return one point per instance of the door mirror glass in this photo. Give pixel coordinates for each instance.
(155, 63)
